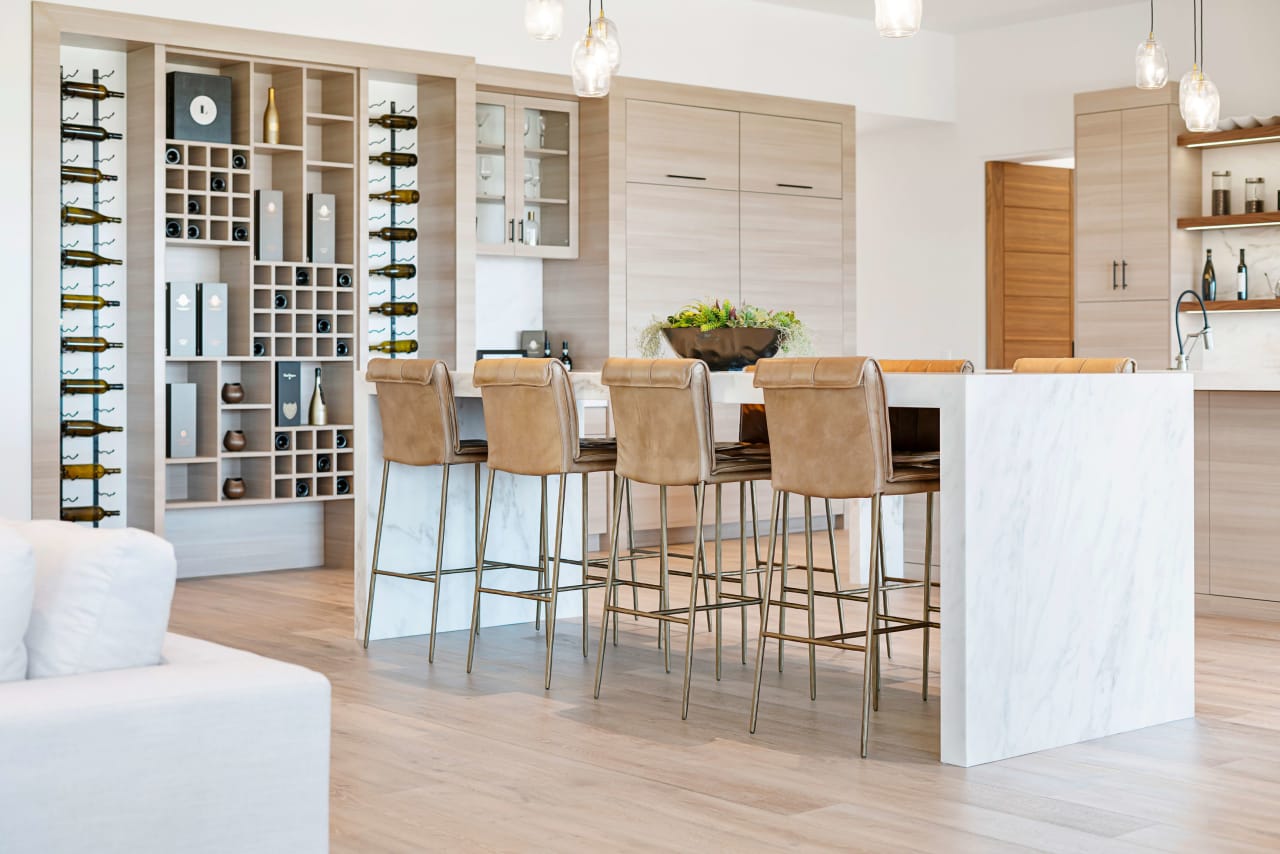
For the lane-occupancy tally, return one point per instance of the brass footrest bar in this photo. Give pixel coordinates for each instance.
(541, 594)
(517, 594)
(656, 615)
(643, 585)
(859, 595)
(425, 575)
(816, 641)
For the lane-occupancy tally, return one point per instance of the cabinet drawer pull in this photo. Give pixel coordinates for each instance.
(522, 231)
(1124, 275)
(687, 177)
(511, 230)
(1114, 266)
(797, 186)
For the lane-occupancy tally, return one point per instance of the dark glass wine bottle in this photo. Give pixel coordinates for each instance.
(86, 514)
(93, 133)
(342, 486)
(394, 158)
(95, 91)
(84, 216)
(395, 309)
(395, 271)
(1209, 279)
(80, 427)
(172, 155)
(78, 344)
(84, 258)
(396, 233)
(86, 175)
(1242, 279)
(565, 358)
(89, 386)
(398, 197)
(87, 301)
(394, 122)
(87, 471)
(302, 489)
(404, 345)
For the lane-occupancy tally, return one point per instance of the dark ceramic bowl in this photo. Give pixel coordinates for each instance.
(724, 349)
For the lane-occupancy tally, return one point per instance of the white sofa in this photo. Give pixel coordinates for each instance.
(210, 750)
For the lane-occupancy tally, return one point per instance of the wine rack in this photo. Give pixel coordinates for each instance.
(207, 193)
(96, 498)
(383, 329)
(302, 311)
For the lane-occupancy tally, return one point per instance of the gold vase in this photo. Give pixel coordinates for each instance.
(271, 119)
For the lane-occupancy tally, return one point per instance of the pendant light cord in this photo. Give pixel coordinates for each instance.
(1153, 17)
(1201, 35)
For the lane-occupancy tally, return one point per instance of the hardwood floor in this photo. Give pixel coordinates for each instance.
(429, 758)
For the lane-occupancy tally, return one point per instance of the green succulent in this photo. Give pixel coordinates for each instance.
(793, 338)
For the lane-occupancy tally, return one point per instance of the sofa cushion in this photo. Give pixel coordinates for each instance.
(17, 587)
(101, 598)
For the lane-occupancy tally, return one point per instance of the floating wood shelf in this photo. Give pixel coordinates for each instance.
(1208, 223)
(1222, 138)
(1234, 305)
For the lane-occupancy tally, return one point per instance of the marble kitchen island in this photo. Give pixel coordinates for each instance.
(1067, 551)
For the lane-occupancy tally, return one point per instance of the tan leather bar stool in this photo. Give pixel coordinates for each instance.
(831, 439)
(1075, 366)
(531, 421)
(420, 428)
(662, 417)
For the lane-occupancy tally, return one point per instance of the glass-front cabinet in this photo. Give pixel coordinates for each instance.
(526, 176)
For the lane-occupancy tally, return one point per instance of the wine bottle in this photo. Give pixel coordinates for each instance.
(282, 441)
(87, 301)
(302, 489)
(323, 463)
(397, 197)
(86, 514)
(319, 413)
(193, 206)
(87, 471)
(86, 175)
(302, 278)
(259, 348)
(84, 258)
(344, 280)
(239, 161)
(282, 300)
(395, 271)
(1242, 279)
(193, 231)
(79, 427)
(173, 155)
(340, 441)
(395, 309)
(92, 133)
(342, 349)
(240, 233)
(84, 216)
(404, 345)
(94, 91)
(172, 228)
(385, 233)
(323, 326)
(1209, 279)
(218, 184)
(565, 359)
(394, 158)
(271, 119)
(77, 344)
(89, 386)
(391, 121)
(342, 486)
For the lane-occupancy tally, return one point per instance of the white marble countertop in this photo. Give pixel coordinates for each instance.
(1237, 381)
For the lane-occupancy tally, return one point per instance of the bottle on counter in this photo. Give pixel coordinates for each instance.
(1209, 279)
(1242, 278)
(565, 358)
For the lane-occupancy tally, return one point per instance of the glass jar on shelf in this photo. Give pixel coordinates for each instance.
(1221, 193)
(1254, 191)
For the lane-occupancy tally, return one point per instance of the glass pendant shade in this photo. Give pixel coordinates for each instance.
(1185, 86)
(1202, 105)
(1152, 64)
(897, 19)
(607, 32)
(544, 19)
(592, 74)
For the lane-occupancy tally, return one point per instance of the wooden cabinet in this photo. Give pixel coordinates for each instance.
(1099, 205)
(1139, 330)
(681, 145)
(526, 176)
(791, 156)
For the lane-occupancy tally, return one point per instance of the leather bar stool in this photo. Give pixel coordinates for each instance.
(531, 421)
(1075, 366)
(420, 428)
(663, 420)
(829, 423)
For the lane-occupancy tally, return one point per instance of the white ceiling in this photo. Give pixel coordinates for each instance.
(957, 16)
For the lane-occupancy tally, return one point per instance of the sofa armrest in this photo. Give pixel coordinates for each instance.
(215, 750)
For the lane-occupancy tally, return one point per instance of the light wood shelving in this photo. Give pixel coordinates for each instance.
(1233, 305)
(1225, 138)
(1211, 223)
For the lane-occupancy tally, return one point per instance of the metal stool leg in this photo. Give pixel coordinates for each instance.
(784, 532)
(615, 505)
(664, 596)
(808, 560)
(475, 604)
(928, 591)
(586, 497)
(742, 559)
(477, 512)
(719, 580)
(377, 543)
(555, 577)
(872, 625)
(699, 493)
(439, 579)
(542, 552)
(835, 562)
(764, 615)
(611, 575)
(631, 550)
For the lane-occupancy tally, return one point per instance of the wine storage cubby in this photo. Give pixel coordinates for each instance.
(207, 193)
(302, 311)
(393, 216)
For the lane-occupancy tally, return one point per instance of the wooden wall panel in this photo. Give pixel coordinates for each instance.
(1244, 501)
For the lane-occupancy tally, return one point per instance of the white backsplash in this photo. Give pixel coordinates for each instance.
(508, 300)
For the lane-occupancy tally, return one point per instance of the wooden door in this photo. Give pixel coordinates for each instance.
(1120, 328)
(1144, 268)
(1029, 260)
(682, 146)
(1243, 472)
(797, 157)
(1099, 202)
(792, 258)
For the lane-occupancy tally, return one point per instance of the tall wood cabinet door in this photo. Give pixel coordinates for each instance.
(792, 156)
(792, 258)
(1119, 328)
(682, 245)
(1243, 504)
(1099, 205)
(682, 146)
(1144, 270)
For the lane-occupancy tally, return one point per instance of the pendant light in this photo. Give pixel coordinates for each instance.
(592, 73)
(897, 19)
(1202, 104)
(607, 32)
(1184, 86)
(1152, 62)
(544, 19)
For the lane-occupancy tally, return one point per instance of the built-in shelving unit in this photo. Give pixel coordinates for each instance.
(1234, 305)
(1224, 138)
(1210, 223)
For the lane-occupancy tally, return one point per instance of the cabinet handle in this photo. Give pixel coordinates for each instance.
(1124, 275)
(687, 177)
(522, 231)
(511, 234)
(1114, 267)
(797, 186)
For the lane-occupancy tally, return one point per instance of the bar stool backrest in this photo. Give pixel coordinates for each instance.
(1074, 366)
(916, 429)
(419, 414)
(828, 425)
(662, 419)
(530, 415)
(926, 366)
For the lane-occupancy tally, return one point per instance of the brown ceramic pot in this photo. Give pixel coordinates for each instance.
(729, 349)
(233, 488)
(234, 441)
(232, 393)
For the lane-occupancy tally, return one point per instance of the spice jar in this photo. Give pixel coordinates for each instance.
(1221, 193)
(1254, 190)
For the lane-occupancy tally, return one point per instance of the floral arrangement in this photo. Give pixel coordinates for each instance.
(793, 338)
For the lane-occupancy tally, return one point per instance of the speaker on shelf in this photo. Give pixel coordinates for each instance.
(198, 107)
